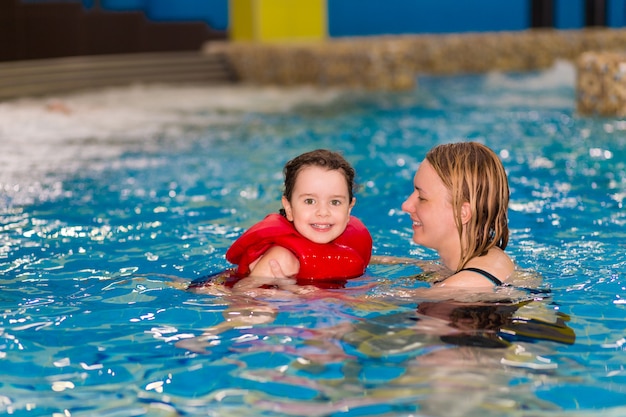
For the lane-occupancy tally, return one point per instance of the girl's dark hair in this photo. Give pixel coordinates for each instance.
(320, 158)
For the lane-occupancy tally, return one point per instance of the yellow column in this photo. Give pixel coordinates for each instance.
(277, 20)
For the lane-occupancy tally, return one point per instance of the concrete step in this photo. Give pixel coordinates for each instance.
(62, 75)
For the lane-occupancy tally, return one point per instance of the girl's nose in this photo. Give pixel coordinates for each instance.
(322, 210)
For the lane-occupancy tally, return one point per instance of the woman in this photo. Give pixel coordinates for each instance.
(459, 208)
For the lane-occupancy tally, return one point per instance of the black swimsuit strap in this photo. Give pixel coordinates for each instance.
(485, 274)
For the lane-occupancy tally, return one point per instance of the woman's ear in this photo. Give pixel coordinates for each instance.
(287, 207)
(466, 213)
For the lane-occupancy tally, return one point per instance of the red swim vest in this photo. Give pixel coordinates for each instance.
(345, 257)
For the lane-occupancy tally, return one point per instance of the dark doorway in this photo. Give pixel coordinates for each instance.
(542, 13)
(595, 12)
(61, 29)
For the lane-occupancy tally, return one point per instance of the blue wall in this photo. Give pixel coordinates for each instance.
(616, 13)
(120, 4)
(569, 14)
(376, 17)
(213, 12)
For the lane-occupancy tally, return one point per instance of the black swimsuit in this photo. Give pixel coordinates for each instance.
(485, 274)
(498, 283)
(482, 272)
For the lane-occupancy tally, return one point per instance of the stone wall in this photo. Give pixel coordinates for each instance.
(392, 62)
(601, 83)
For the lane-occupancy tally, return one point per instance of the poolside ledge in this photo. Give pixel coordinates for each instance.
(391, 62)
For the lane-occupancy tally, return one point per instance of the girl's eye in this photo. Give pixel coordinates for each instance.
(309, 201)
(335, 202)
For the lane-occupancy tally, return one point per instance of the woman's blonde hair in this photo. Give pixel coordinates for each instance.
(473, 173)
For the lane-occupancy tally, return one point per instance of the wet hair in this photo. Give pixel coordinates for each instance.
(319, 158)
(473, 173)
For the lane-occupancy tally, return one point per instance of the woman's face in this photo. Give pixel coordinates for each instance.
(431, 211)
(320, 204)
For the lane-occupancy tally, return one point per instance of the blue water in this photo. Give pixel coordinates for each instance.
(113, 201)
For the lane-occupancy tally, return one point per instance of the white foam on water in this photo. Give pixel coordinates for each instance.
(561, 74)
(534, 90)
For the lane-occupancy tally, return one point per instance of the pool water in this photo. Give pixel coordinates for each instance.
(113, 201)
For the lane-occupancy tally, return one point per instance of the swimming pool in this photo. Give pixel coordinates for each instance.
(112, 201)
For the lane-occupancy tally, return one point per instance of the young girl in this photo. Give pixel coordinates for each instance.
(459, 208)
(314, 239)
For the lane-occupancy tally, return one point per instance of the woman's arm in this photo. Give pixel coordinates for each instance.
(426, 266)
(261, 273)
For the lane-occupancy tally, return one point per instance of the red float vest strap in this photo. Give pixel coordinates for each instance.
(345, 257)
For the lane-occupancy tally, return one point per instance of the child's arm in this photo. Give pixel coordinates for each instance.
(261, 272)
(288, 262)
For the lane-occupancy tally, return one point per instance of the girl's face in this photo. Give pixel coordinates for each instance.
(320, 206)
(431, 211)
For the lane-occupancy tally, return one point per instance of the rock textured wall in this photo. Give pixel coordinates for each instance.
(601, 83)
(392, 62)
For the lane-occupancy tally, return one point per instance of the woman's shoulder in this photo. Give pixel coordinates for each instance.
(493, 268)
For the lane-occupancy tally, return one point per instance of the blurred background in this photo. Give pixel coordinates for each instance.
(32, 29)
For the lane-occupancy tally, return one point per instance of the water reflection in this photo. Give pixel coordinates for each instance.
(497, 325)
